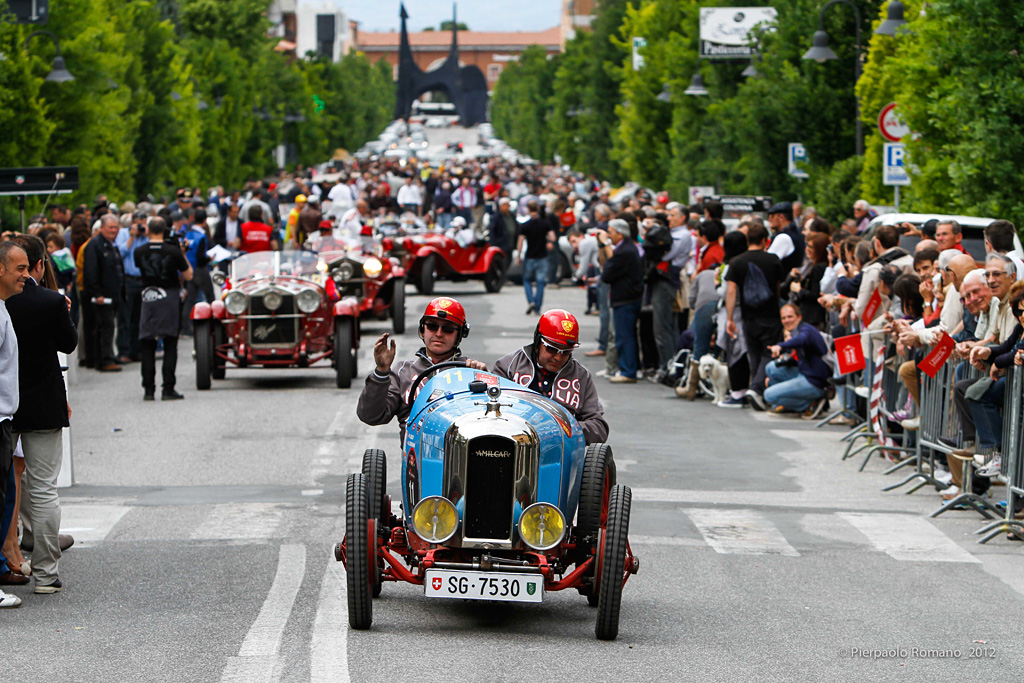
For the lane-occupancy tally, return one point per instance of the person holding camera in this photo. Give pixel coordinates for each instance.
(128, 240)
(163, 265)
(798, 377)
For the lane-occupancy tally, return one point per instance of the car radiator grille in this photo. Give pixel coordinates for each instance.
(490, 475)
(276, 330)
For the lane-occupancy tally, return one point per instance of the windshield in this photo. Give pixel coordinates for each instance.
(277, 263)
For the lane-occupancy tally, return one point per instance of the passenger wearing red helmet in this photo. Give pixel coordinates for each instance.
(547, 367)
(442, 327)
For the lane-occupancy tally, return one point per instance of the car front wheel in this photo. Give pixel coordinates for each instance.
(612, 552)
(357, 559)
(375, 471)
(204, 353)
(427, 276)
(398, 307)
(495, 277)
(344, 354)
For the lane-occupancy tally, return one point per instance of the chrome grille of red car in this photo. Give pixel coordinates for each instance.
(272, 331)
(490, 481)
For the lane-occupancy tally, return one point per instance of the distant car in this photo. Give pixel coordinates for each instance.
(400, 153)
(453, 146)
(501, 501)
(432, 256)
(973, 230)
(436, 122)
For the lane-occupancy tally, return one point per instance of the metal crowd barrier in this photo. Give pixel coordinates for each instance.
(935, 413)
(894, 395)
(1012, 465)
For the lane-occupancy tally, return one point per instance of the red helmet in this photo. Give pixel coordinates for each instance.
(559, 328)
(446, 308)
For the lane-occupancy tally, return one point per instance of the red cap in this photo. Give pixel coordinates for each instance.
(559, 328)
(366, 231)
(446, 308)
(326, 225)
(272, 187)
(663, 198)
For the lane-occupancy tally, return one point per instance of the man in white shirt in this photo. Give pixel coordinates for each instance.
(464, 199)
(351, 223)
(340, 197)
(409, 197)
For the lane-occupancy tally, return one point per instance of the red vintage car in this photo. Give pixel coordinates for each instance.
(432, 256)
(295, 309)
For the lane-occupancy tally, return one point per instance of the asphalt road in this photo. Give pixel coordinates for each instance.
(205, 530)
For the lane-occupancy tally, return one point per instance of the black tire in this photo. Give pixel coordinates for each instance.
(398, 307)
(204, 353)
(595, 487)
(357, 561)
(495, 276)
(564, 266)
(344, 354)
(613, 563)
(220, 337)
(375, 471)
(426, 281)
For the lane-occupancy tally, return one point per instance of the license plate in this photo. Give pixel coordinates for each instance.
(450, 583)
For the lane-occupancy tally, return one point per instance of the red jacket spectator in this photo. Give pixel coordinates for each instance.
(713, 255)
(256, 236)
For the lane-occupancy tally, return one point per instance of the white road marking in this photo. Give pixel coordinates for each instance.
(740, 532)
(666, 540)
(329, 643)
(90, 523)
(257, 659)
(240, 521)
(623, 465)
(908, 538)
(312, 492)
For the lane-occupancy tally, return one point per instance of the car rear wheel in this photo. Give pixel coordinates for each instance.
(612, 549)
(595, 486)
(357, 549)
(204, 353)
(344, 354)
(495, 277)
(375, 471)
(219, 365)
(398, 307)
(427, 275)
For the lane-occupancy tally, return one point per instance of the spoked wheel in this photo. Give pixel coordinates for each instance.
(612, 553)
(204, 353)
(219, 365)
(359, 583)
(495, 276)
(398, 307)
(375, 471)
(595, 487)
(344, 354)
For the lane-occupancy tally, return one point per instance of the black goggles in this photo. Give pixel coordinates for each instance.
(446, 329)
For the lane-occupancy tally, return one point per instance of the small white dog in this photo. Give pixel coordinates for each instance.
(715, 373)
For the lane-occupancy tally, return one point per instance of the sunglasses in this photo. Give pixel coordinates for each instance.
(446, 329)
(555, 351)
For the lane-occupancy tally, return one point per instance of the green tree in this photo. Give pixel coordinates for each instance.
(521, 102)
(446, 25)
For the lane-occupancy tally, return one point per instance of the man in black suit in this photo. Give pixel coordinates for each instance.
(104, 289)
(43, 327)
(624, 273)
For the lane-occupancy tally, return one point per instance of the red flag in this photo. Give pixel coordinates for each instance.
(849, 354)
(873, 303)
(939, 355)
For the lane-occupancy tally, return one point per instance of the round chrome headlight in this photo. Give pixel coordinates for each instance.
(308, 300)
(541, 526)
(372, 267)
(346, 271)
(236, 303)
(435, 519)
(272, 300)
(218, 278)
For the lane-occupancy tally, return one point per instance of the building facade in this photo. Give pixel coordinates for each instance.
(304, 26)
(576, 16)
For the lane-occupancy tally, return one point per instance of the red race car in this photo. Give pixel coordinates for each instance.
(294, 309)
(432, 256)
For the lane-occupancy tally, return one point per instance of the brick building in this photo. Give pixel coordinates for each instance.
(489, 50)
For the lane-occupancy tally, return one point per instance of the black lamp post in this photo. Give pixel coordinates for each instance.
(894, 19)
(696, 88)
(59, 72)
(821, 53)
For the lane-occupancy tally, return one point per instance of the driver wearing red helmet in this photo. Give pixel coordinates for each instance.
(442, 327)
(547, 367)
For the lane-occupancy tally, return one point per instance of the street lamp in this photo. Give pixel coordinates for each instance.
(696, 88)
(58, 72)
(751, 71)
(821, 52)
(665, 95)
(894, 19)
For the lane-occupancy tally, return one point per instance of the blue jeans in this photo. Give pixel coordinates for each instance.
(6, 515)
(703, 327)
(444, 221)
(625, 317)
(789, 389)
(987, 414)
(535, 270)
(554, 262)
(605, 317)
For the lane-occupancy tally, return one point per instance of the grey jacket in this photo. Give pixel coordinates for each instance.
(573, 387)
(385, 396)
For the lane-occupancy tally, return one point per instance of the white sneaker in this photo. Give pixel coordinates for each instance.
(943, 476)
(992, 469)
(8, 601)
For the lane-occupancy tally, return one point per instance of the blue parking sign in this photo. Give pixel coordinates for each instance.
(797, 155)
(894, 164)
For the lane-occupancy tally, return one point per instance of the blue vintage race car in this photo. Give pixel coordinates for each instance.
(501, 500)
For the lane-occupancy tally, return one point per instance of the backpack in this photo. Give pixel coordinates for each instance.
(755, 287)
(658, 238)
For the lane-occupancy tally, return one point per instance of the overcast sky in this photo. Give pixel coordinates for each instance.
(479, 15)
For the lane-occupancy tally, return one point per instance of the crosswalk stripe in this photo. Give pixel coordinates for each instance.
(240, 521)
(740, 532)
(257, 659)
(90, 523)
(906, 537)
(328, 647)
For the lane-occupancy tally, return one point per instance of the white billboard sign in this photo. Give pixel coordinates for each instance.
(727, 32)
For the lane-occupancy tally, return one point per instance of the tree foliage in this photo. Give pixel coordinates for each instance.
(175, 92)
